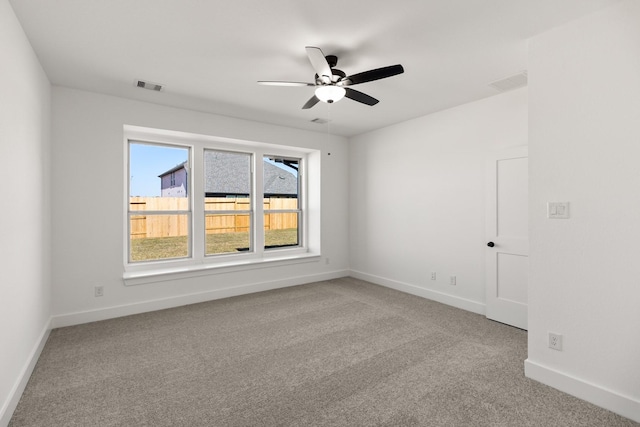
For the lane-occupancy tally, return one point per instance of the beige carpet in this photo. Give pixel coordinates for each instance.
(336, 353)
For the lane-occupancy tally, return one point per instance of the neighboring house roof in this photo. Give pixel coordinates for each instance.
(226, 173)
(229, 173)
(279, 181)
(173, 169)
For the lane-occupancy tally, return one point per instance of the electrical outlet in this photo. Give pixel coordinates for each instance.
(558, 210)
(326, 261)
(98, 291)
(433, 275)
(555, 341)
(452, 280)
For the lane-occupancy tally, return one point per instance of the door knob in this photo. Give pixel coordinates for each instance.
(491, 244)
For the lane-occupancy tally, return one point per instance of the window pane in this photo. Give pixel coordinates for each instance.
(158, 173)
(158, 182)
(281, 177)
(280, 229)
(227, 233)
(227, 174)
(156, 237)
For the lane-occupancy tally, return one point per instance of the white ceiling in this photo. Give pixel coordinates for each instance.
(209, 54)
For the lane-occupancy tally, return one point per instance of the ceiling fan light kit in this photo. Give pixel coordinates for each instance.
(331, 83)
(330, 94)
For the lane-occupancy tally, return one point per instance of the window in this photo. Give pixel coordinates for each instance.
(227, 202)
(281, 200)
(159, 214)
(192, 203)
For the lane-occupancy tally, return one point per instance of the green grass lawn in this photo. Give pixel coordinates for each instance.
(177, 247)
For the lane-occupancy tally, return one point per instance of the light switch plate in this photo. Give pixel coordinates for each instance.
(558, 210)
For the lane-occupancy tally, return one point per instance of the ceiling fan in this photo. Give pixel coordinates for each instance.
(332, 84)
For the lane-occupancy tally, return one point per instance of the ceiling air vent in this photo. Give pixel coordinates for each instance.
(319, 121)
(149, 86)
(511, 82)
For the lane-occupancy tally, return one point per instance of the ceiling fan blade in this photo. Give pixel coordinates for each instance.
(360, 97)
(371, 75)
(318, 61)
(270, 83)
(311, 102)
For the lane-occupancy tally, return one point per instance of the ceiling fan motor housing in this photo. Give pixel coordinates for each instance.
(337, 75)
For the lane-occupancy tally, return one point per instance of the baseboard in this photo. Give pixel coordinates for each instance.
(600, 396)
(78, 318)
(6, 412)
(452, 300)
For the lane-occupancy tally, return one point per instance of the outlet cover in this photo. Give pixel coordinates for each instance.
(452, 280)
(558, 210)
(555, 341)
(99, 291)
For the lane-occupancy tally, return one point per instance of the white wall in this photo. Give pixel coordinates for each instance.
(25, 250)
(87, 205)
(417, 198)
(584, 148)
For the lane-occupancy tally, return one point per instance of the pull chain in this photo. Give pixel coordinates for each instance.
(328, 124)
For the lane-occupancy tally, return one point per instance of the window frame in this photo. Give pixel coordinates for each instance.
(188, 212)
(250, 211)
(300, 197)
(198, 262)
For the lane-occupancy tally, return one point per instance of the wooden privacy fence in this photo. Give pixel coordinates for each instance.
(171, 225)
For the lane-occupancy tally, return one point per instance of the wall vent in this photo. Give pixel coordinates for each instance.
(149, 86)
(319, 121)
(512, 82)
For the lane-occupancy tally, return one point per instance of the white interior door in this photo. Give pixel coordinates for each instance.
(507, 250)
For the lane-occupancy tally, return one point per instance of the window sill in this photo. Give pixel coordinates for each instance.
(188, 271)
